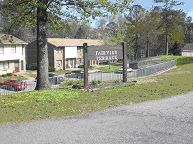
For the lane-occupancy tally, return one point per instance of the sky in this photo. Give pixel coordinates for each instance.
(187, 7)
(148, 4)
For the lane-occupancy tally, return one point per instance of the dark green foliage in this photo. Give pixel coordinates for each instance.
(95, 82)
(175, 50)
(52, 69)
(179, 59)
(81, 66)
(9, 74)
(75, 84)
(6, 75)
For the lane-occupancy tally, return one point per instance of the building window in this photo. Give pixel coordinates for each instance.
(1, 49)
(80, 52)
(1, 66)
(4, 65)
(59, 50)
(22, 65)
(70, 63)
(13, 49)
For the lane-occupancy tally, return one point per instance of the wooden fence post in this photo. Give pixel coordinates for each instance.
(85, 55)
(125, 62)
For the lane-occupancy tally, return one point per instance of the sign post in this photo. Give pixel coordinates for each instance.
(104, 53)
(85, 55)
(124, 62)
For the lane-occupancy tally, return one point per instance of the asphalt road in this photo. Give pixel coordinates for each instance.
(168, 121)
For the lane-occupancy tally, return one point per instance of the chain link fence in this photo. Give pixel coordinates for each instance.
(149, 70)
(29, 85)
(16, 86)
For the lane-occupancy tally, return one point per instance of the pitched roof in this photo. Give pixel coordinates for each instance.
(60, 42)
(188, 47)
(9, 39)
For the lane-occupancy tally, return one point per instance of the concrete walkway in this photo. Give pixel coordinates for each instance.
(168, 121)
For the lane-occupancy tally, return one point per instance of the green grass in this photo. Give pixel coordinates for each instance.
(60, 72)
(18, 77)
(31, 73)
(62, 102)
(74, 83)
(179, 59)
(109, 68)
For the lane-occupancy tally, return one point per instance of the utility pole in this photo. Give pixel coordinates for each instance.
(166, 26)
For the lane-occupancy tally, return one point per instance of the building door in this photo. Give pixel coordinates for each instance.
(59, 64)
(22, 65)
(70, 63)
(16, 65)
(6, 66)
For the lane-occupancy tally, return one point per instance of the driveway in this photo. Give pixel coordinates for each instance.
(168, 121)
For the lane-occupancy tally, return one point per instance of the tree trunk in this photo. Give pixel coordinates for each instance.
(42, 48)
(136, 48)
(147, 42)
(166, 46)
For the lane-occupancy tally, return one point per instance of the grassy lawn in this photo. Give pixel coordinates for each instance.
(61, 102)
(61, 72)
(109, 68)
(179, 59)
(18, 77)
(31, 73)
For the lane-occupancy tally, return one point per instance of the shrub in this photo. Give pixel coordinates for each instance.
(3, 75)
(52, 69)
(180, 60)
(76, 84)
(7, 75)
(117, 81)
(81, 66)
(99, 82)
(95, 83)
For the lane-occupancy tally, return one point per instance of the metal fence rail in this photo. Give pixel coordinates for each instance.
(98, 76)
(102, 76)
(11, 89)
(149, 70)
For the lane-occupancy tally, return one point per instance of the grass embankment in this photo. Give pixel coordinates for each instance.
(56, 103)
(110, 68)
(19, 76)
(180, 60)
(10, 76)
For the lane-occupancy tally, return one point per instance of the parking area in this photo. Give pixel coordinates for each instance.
(56, 80)
(31, 84)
